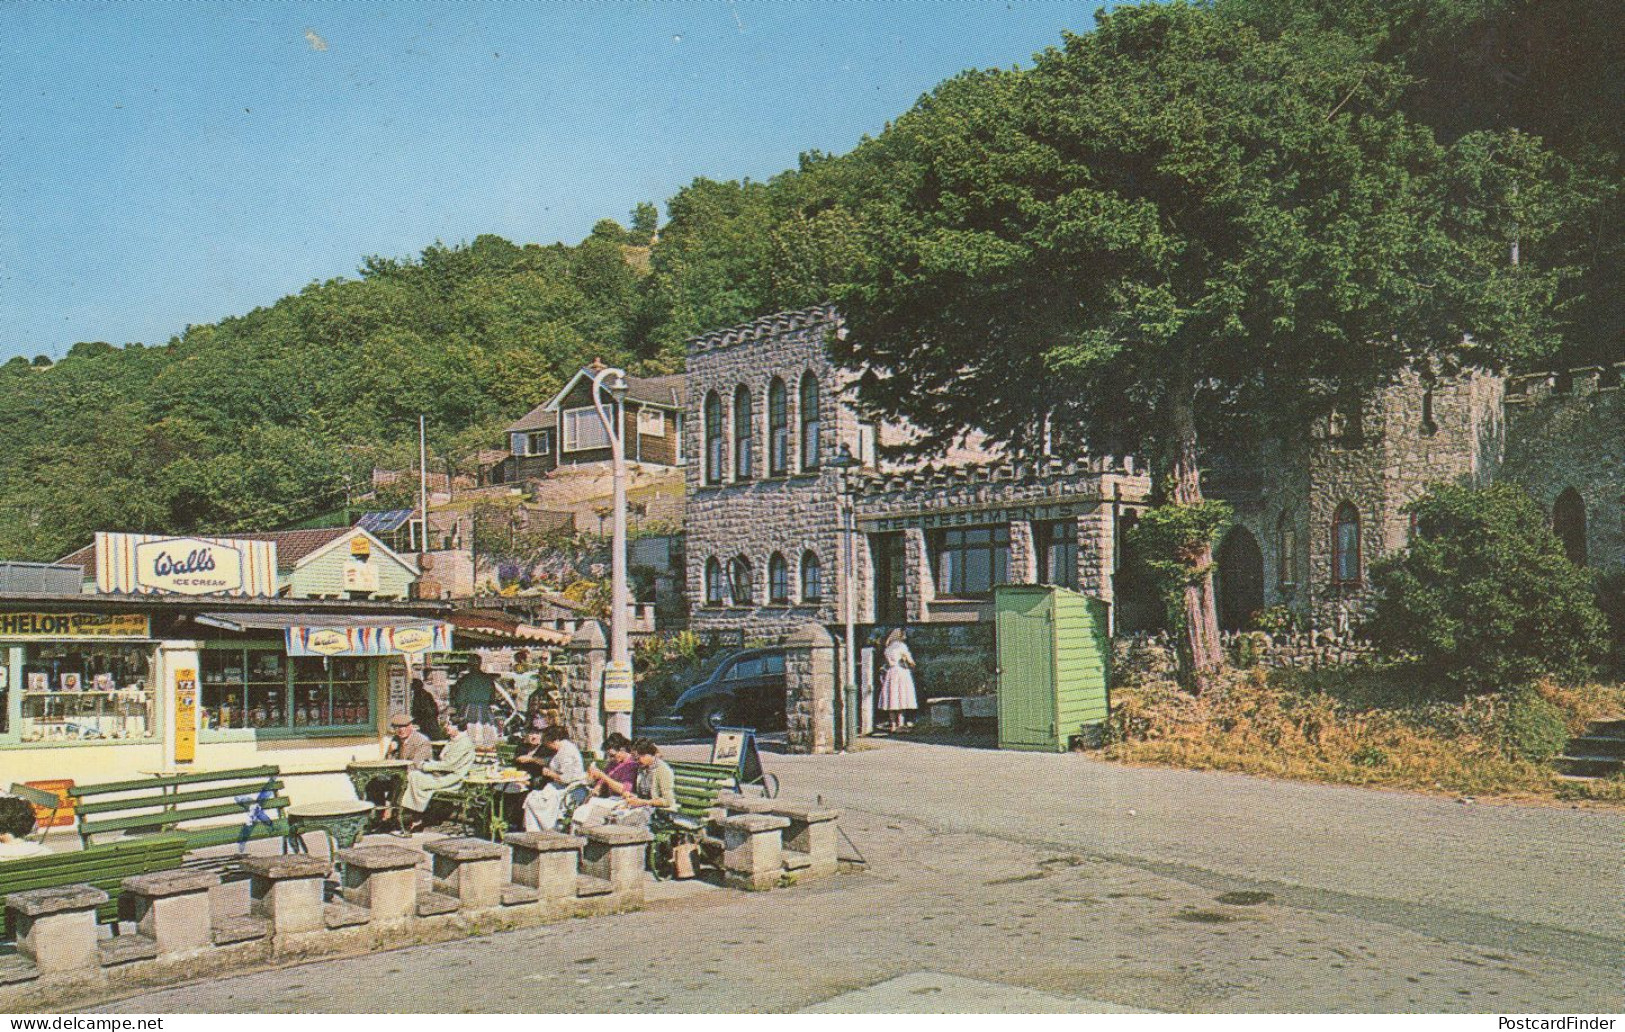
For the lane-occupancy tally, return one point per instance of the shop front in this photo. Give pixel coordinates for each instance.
(98, 688)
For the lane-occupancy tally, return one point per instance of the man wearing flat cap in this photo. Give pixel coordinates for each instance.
(408, 743)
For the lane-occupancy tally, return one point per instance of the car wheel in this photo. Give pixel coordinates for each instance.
(716, 716)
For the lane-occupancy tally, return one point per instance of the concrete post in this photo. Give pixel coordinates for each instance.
(381, 878)
(547, 862)
(56, 928)
(171, 908)
(470, 869)
(615, 853)
(752, 853)
(809, 696)
(287, 891)
(584, 661)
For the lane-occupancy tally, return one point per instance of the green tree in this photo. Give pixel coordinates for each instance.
(1484, 598)
(1176, 232)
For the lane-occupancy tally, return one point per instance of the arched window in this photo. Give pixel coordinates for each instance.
(778, 429)
(713, 439)
(716, 592)
(812, 577)
(778, 580)
(1569, 524)
(1286, 549)
(810, 423)
(739, 581)
(1346, 545)
(744, 416)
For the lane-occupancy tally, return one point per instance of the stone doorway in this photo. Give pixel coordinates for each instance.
(1240, 577)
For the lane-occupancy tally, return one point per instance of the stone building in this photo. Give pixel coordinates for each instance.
(765, 540)
(766, 506)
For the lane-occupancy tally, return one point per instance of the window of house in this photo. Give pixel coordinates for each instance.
(519, 443)
(583, 430)
(1346, 545)
(778, 429)
(651, 422)
(74, 691)
(778, 580)
(264, 690)
(810, 421)
(969, 562)
(716, 589)
(713, 439)
(744, 417)
(1286, 543)
(740, 588)
(1057, 546)
(812, 577)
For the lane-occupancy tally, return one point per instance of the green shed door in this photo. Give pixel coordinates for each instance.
(1022, 621)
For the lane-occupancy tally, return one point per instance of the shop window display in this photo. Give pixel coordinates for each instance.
(78, 692)
(265, 690)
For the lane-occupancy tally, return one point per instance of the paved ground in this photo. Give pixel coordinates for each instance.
(1097, 886)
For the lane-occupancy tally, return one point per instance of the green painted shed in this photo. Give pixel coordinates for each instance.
(1054, 666)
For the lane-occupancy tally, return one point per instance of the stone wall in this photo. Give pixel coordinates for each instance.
(1153, 655)
(1568, 431)
(809, 689)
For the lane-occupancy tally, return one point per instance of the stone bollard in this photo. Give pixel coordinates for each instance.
(615, 853)
(734, 802)
(547, 862)
(752, 853)
(172, 908)
(383, 879)
(56, 928)
(812, 831)
(470, 869)
(287, 890)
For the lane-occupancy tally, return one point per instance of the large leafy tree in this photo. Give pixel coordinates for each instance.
(1177, 232)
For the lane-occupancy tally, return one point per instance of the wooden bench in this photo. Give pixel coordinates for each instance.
(698, 786)
(160, 804)
(105, 867)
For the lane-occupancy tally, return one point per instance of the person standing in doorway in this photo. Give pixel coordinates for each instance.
(897, 687)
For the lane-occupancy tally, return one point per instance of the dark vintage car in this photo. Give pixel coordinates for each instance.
(745, 690)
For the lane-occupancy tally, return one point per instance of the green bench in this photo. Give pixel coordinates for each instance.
(160, 804)
(698, 786)
(105, 867)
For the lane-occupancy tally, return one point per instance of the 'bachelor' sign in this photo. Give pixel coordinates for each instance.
(145, 564)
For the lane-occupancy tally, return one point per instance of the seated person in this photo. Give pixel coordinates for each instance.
(562, 769)
(16, 824)
(406, 743)
(655, 787)
(455, 762)
(607, 787)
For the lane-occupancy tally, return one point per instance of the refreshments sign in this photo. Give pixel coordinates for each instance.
(147, 564)
(404, 640)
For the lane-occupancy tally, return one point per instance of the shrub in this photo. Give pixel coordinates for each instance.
(1484, 598)
(1532, 728)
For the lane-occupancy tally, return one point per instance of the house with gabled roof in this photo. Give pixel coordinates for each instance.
(566, 429)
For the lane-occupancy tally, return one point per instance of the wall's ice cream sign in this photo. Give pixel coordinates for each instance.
(150, 565)
(188, 566)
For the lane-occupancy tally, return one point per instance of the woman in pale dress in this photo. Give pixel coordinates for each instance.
(897, 687)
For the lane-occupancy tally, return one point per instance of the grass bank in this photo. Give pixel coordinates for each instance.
(1354, 726)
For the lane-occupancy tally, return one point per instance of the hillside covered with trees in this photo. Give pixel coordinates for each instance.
(266, 417)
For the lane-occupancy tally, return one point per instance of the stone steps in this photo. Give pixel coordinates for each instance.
(1599, 753)
(14, 969)
(795, 860)
(123, 949)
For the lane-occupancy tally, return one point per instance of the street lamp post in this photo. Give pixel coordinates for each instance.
(618, 676)
(849, 724)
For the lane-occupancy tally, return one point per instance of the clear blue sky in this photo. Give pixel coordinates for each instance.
(171, 163)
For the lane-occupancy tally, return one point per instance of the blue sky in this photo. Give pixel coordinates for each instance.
(171, 163)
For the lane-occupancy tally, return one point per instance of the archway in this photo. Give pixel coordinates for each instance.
(1240, 580)
(1569, 524)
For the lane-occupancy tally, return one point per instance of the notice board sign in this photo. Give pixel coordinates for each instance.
(736, 747)
(185, 715)
(398, 701)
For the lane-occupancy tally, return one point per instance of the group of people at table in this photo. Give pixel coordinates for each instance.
(631, 785)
